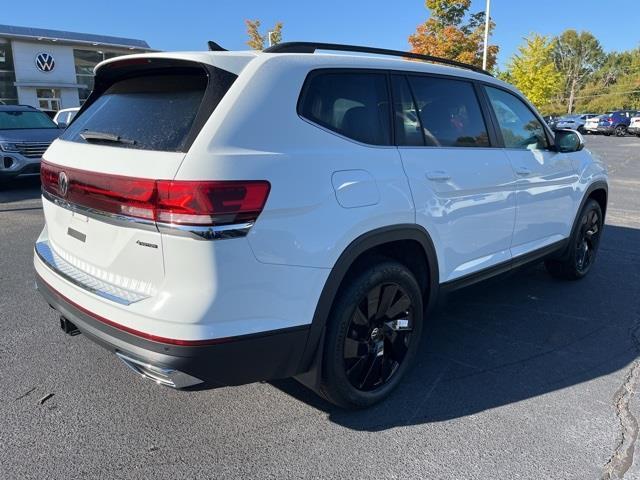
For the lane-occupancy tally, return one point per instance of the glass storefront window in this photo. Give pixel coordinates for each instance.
(8, 91)
(85, 61)
(48, 99)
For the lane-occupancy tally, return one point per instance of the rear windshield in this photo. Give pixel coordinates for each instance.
(152, 112)
(14, 120)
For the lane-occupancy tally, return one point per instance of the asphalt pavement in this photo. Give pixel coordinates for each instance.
(521, 377)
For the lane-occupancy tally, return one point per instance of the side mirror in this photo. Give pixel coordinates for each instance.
(568, 141)
(62, 125)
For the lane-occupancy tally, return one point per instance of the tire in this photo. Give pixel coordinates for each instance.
(620, 131)
(380, 309)
(581, 130)
(583, 245)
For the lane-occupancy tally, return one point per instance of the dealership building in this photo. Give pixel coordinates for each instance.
(52, 69)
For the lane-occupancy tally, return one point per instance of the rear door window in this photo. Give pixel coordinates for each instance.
(353, 104)
(150, 112)
(449, 112)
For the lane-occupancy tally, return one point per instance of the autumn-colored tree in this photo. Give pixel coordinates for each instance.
(451, 32)
(257, 40)
(577, 56)
(533, 70)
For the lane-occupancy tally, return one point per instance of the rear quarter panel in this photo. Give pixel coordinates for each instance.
(256, 133)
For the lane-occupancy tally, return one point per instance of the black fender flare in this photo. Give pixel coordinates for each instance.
(313, 349)
(597, 185)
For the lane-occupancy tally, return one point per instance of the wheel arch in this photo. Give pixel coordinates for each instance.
(598, 191)
(370, 243)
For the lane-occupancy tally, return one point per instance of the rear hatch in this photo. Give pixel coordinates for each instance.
(101, 179)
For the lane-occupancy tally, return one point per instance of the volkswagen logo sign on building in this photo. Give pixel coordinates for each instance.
(45, 62)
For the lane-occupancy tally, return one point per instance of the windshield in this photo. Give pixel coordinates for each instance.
(14, 120)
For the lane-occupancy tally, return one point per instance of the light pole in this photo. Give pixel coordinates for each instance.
(270, 41)
(486, 35)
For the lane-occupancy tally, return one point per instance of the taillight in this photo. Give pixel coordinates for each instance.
(201, 203)
(210, 203)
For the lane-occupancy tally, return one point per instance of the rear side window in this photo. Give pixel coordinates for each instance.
(352, 104)
(449, 112)
(519, 126)
(150, 112)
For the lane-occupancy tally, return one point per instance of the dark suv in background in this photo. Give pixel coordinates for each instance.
(25, 134)
(616, 123)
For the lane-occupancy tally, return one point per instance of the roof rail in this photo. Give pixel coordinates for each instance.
(311, 47)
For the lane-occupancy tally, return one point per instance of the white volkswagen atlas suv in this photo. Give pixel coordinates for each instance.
(218, 218)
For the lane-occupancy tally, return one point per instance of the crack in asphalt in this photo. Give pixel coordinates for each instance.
(622, 457)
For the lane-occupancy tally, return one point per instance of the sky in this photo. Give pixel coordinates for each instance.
(188, 24)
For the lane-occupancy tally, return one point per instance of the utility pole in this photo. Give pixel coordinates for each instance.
(486, 35)
(270, 41)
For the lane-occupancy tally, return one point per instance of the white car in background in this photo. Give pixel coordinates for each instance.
(575, 122)
(634, 126)
(591, 125)
(63, 117)
(226, 217)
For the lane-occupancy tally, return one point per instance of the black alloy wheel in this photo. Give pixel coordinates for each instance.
(621, 131)
(372, 335)
(583, 245)
(587, 240)
(378, 336)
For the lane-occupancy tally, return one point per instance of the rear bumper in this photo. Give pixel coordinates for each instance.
(227, 361)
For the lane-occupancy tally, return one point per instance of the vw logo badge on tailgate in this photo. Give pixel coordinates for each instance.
(63, 184)
(45, 62)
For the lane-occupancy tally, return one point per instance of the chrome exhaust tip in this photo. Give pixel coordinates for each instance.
(161, 375)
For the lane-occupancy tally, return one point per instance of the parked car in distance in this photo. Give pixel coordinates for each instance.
(63, 117)
(551, 120)
(615, 123)
(25, 134)
(634, 125)
(574, 122)
(591, 124)
(295, 214)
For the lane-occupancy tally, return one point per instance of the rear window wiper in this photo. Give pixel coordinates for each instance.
(90, 135)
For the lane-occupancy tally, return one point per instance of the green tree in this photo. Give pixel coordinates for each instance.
(451, 32)
(534, 72)
(257, 40)
(577, 56)
(615, 85)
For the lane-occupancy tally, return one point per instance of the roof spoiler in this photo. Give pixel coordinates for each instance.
(311, 47)
(214, 47)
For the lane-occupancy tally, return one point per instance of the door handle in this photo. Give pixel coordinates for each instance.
(523, 171)
(438, 176)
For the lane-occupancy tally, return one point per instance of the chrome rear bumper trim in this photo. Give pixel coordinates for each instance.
(83, 280)
(206, 233)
